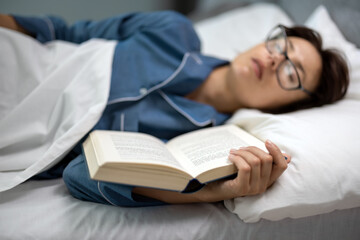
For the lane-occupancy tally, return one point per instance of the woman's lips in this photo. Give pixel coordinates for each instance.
(258, 69)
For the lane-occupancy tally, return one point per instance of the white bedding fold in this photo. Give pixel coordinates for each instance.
(51, 95)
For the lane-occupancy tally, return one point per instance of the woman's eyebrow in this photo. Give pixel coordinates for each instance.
(297, 64)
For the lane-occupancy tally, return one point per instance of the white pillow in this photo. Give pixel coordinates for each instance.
(232, 32)
(324, 143)
(321, 21)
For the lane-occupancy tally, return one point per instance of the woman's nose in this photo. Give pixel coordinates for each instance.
(276, 59)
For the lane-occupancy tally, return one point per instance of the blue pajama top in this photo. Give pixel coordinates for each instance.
(157, 61)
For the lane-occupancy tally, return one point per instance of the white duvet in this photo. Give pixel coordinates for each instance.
(50, 97)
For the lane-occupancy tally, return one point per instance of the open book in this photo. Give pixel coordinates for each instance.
(185, 163)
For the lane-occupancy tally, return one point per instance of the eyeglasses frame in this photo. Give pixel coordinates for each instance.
(300, 86)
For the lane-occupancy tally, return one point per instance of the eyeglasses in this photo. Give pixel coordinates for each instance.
(287, 74)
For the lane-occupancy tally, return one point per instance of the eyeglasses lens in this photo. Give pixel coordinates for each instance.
(276, 42)
(287, 75)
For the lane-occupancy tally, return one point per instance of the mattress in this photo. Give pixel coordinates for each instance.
(45, 210)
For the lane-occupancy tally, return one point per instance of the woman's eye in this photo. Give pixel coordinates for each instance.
(278, 48)
(292, 78)
(291, 74)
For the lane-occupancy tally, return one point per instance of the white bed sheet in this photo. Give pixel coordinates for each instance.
(45, 210)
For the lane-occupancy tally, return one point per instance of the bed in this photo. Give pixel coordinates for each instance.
(318, 197)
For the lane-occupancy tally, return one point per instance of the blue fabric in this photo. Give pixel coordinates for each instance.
(157, 61)
(81, 186)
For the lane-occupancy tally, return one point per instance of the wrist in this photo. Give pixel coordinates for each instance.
(212, 192)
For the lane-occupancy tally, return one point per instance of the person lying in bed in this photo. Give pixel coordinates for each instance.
(162, 85)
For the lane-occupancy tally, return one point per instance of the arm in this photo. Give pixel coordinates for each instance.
(257, 170)
(9, 22)
(116, 28)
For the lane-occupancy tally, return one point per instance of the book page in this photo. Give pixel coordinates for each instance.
(205, 149)
(136, 148)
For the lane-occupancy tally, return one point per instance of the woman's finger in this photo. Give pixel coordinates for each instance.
(255, 164)
(242, 182)
(266, 167)
(280, 163)
(287, 157)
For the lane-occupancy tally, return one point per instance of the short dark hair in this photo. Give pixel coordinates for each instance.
(334, 78)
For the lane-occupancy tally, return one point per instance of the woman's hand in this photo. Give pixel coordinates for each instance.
(257, 170)
(9, 22)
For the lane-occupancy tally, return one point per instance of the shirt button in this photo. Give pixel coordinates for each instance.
(143, 91)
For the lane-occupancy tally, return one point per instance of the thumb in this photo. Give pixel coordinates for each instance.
(275, 152)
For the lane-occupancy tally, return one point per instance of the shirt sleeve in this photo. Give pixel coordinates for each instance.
(116, 28)
(81, 186)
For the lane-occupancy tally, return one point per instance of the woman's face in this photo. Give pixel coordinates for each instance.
(253, 81)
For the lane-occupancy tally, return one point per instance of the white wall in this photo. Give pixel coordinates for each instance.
(73, 10)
